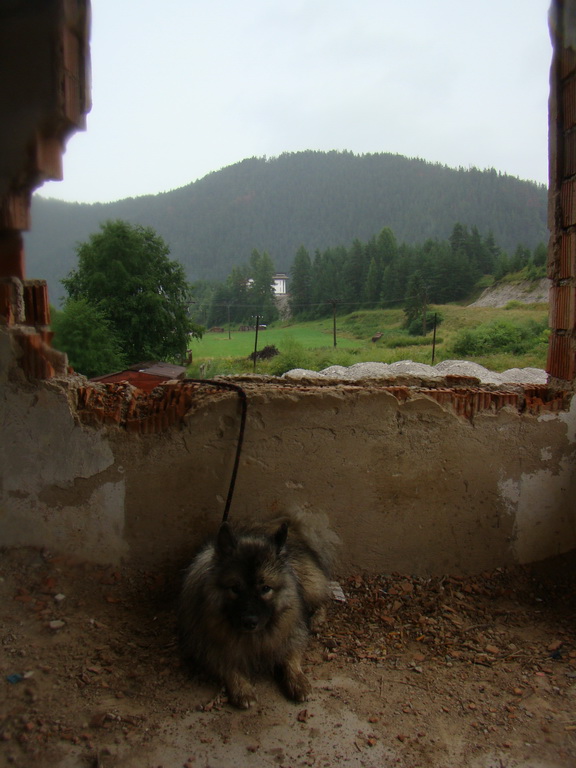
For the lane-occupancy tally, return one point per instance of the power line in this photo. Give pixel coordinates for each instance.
(329, 303)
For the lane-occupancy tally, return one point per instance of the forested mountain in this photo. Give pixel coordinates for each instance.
(317, 200)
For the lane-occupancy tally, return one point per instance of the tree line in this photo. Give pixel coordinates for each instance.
(315, 199)
(245, 297)
(379, 272)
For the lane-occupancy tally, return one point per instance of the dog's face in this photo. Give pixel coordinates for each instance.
(251, 576)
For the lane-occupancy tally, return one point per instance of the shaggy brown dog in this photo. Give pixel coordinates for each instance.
(248, 601)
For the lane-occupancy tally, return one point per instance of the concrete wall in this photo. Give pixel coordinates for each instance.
(409, 484)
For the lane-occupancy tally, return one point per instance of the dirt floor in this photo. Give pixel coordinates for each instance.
(437, 673)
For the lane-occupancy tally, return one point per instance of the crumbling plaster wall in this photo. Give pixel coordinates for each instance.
(48, 461)
(409, 486)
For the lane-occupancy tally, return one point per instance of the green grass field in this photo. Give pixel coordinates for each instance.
(241, 343)
(311, 344)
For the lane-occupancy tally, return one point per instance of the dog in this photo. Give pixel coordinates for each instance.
(249, 600)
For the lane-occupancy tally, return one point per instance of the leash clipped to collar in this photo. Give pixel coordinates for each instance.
(244, 406)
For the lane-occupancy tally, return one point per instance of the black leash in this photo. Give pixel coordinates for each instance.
(244, 406)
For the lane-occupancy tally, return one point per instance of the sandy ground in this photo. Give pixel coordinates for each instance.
(439, 673)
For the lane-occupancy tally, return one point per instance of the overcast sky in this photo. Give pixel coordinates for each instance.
(181, 88)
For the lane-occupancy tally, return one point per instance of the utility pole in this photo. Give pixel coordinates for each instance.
(333, 302)
(256, 341)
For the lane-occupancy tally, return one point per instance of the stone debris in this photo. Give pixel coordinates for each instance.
(524, 376)
(360, 371)
(470, 620)
(337, 592)
(57, 624)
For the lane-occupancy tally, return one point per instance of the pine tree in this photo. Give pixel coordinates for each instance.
(493, 253)
(373, 285)
(301, 283)
(459, 238)
(520, 258)
(416, 300)
(354, 274)
(327, 269)
(387, 246)
(261, 286)
(540, 255)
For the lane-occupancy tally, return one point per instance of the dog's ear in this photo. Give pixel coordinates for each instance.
(225, 541)
(280, 537)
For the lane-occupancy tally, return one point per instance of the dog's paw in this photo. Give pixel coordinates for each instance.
(243, 701)
(242, 696)
(318, 619)
(297, 686)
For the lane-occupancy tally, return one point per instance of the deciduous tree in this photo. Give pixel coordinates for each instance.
(125, 271)
(84, 332)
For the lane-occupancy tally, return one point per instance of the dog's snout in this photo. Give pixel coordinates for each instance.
(249, 623)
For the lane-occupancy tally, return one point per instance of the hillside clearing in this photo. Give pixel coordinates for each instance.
(311, 344)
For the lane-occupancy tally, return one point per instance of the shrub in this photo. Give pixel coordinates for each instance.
(414, 327)
(293, 355)
(394, 342)
(326, 356)
(85, 333)
(499, 336)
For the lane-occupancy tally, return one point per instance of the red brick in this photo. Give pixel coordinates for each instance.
(11, 254)
(563, 307)
(568, 203)
(567, 257)
(567, 62)
(569, 103)
(561, 357)
(36, 305)
(569, 154)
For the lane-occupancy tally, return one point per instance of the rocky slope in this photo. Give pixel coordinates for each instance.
(526, 291)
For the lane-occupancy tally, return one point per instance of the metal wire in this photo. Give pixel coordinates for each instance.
(244, 407)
